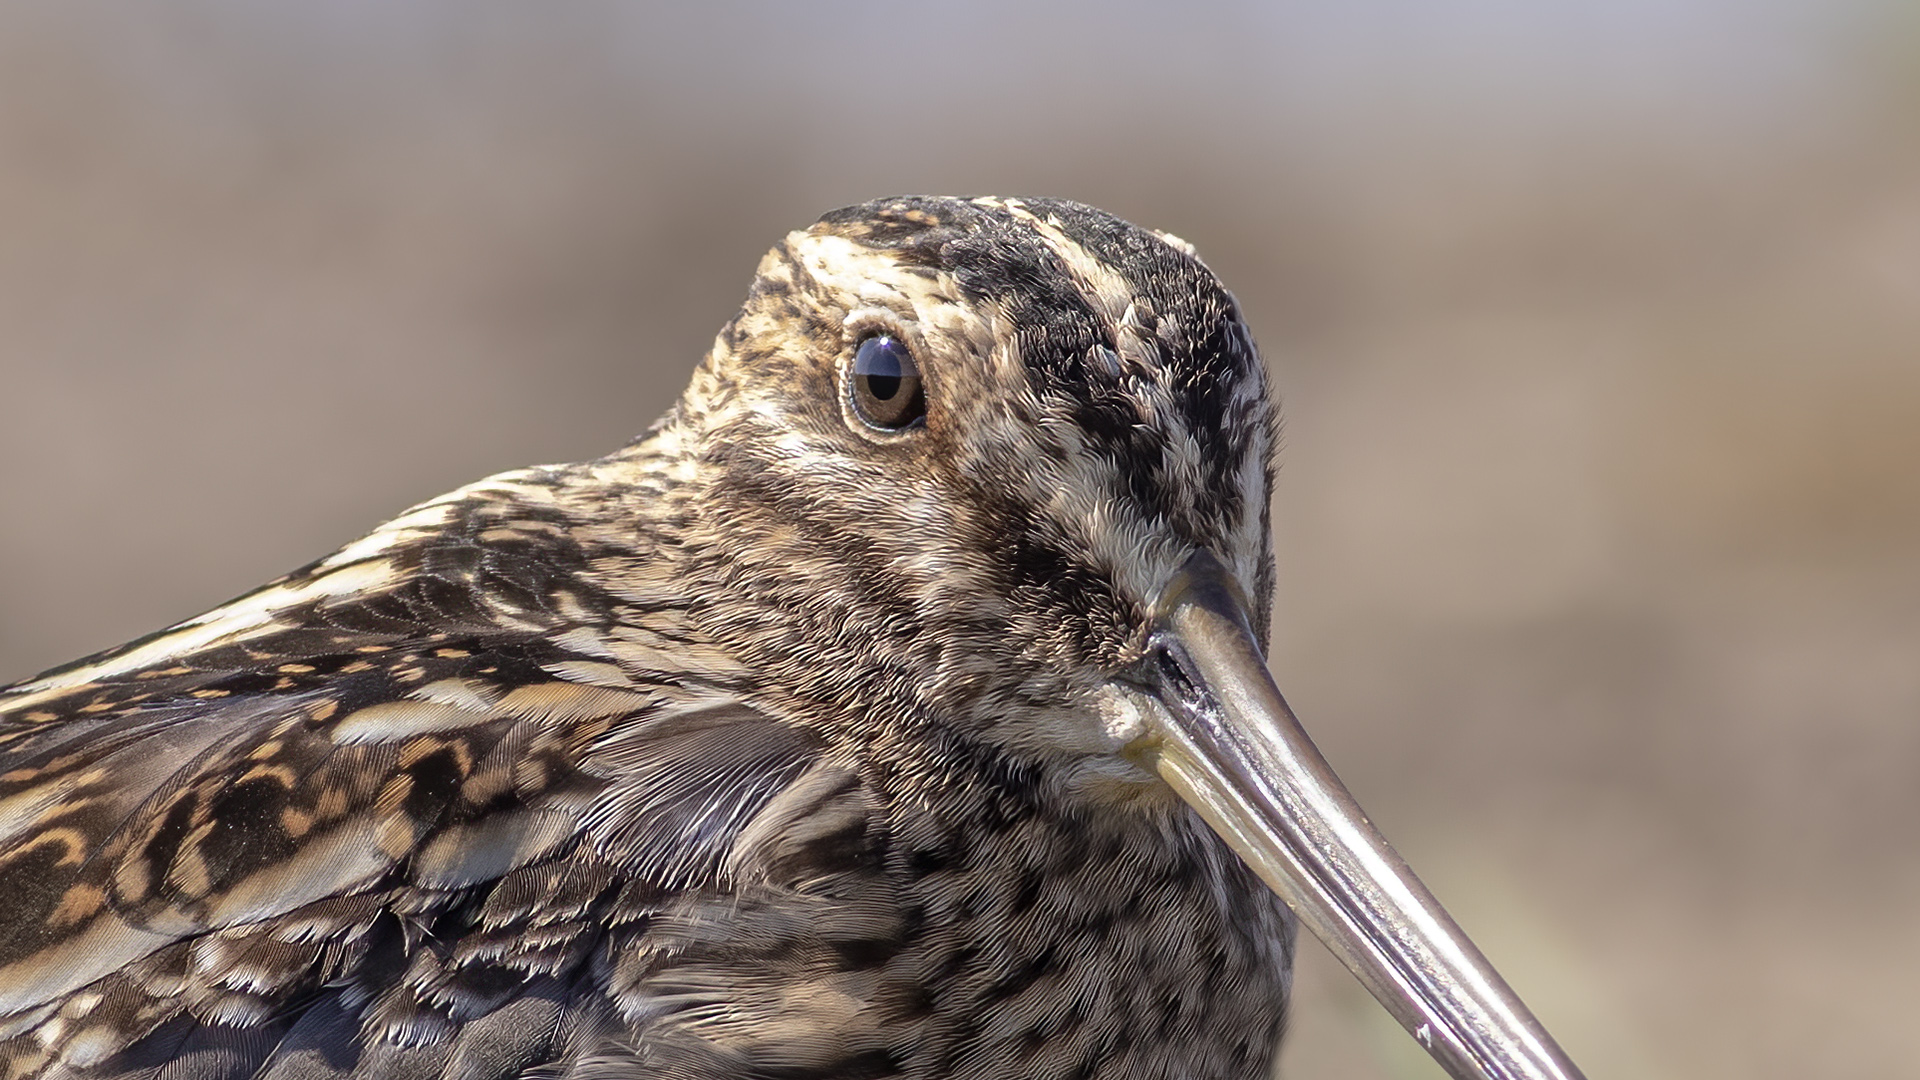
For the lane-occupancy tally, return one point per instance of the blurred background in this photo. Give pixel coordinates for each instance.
(1598, 325)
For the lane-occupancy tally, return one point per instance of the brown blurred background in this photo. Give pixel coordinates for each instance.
(1598, 326)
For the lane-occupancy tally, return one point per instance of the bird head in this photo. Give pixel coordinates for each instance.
(968, 443)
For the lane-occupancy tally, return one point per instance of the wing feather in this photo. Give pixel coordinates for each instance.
(330, 833)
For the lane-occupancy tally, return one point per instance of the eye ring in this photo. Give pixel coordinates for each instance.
(884, 385)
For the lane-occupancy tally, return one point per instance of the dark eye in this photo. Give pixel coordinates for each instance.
(886, 384)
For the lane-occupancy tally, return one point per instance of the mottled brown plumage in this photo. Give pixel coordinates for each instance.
(774, 744)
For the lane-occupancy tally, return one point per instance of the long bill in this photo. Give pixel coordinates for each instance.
(1230, 746)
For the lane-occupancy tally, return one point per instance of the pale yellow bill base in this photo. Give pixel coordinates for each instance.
(1230, 746)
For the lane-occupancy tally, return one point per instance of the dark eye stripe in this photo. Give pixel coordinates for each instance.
(886, 384)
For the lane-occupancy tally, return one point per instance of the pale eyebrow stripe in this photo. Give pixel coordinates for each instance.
(1105, 289)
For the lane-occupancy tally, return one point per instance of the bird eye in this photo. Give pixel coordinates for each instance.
(886, 384)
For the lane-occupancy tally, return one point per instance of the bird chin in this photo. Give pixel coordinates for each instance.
(1104, 763)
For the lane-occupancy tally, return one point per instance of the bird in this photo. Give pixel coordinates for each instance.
(864, 717)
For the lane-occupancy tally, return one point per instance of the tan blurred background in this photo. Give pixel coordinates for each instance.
(1598, 326)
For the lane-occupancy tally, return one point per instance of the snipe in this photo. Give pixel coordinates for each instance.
(894, 707)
